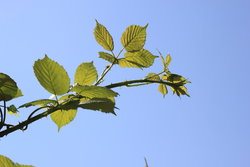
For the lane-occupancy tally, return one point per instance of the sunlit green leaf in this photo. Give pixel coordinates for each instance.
(8, 88)
(6, 162)
(65, 115)
(153, 76)
(85, 74)
(19, 93)
(163, 89)
(143, 58)
(180, 90)
(52, 76)
(101, 104)
(168, 60)
(133, 38)
(106, 56)
(12, 110)
(125, 63)
(41, 102)
(175, 78)
(103, 37)
(94, 91)
(162, 60)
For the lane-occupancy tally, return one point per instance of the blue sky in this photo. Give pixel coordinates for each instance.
(209, 43)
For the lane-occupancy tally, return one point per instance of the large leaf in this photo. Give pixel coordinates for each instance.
(94, 91)
(133, 38)
(125, 63)
(6, 162)
(163, 89)
(8, 88)
(41, 102)
(103, 37)
(65, 115)
(110, 58)
(143, 58)
(52, 76)
(100, 104)
(86, 74)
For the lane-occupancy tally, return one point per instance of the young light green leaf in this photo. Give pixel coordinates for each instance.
(162, 60)
(101, 104)
(6, 162)
(85, 74)
(8, 88)
(52, 76)
(122, 62)
(163, 89)
(41, 102)
(65, 115)
(153, 76)
(168, 60)
(103, 37)
(110, 58)
(133, 38)
(12, 110)
(94, 91)
(143, 58)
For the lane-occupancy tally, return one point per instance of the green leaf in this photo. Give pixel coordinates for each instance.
(163, 89)
(41, 102)
(180, 90)
(153, 76)
(101, 104)
(175, 78)
(125, 63)
(12, 110)
(94, 91)
(133, 38)
(6, 162)
(65, 115)
(168, 60)
(143, 58)
(19, 93)
(162, 60)
(110, 58)
(103, 37)
(52, 76)
(8, 88)
(86, 74)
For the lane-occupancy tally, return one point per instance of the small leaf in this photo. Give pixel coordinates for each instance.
(8, 88)
(86, 74)
(180, 90)
(143, 58)
(110, 58)
(153, 76)
(133, 38)
(94, 91)
(41, 102)
(125, 63)
(103, 37)
(175, 78)
(65, 115)
(6, 162)
(168, 60)
(101, 104)
(163, 89)
(52, 76)
(12, 110)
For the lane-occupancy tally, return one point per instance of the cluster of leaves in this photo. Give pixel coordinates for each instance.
(85, 91)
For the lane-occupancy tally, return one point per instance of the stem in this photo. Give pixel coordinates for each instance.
(4, 111)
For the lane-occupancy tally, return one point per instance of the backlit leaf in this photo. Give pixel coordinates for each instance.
(8, 88)
(175, 78)
(103, 37)
(143, 58)
(180, 90)
(110, 58)
(163, 89)
(153, 76)
(125, 63)
(52, 76)
(133, 38)
(94, 91)
(64, 116)
(168, 60)
(100, 104)
(19, 93)
(41, 102)
(6, 162)
(85, 74)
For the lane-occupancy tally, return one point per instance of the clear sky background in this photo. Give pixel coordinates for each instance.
(210, 44)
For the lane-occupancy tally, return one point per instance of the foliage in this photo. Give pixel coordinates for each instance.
(86, 91)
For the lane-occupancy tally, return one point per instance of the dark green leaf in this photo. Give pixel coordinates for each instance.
(52, 76)
(110, 58)
(175, 78)
(133, 38)
(180, 90)
(8, 88)
(12, 110)
(86, 74)
(103, 37)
